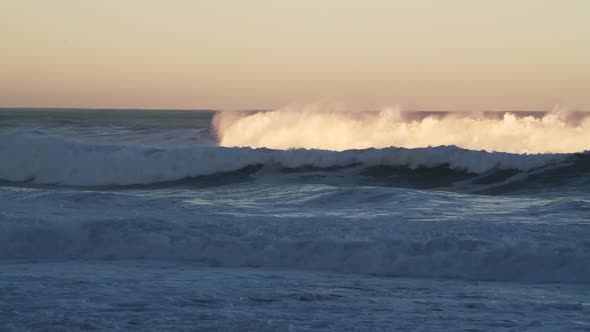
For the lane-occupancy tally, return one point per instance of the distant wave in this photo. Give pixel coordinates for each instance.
(44, 159)
(329, 128)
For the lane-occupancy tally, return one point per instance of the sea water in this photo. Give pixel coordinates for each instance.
(160, 220)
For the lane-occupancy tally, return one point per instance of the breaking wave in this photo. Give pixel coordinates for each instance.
(45, 159)
(329, 128)
(442, 255)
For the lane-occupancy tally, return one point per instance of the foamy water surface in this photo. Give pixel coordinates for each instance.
(293, 220)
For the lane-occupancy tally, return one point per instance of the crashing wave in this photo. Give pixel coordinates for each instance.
(327, 128)
(45, 159)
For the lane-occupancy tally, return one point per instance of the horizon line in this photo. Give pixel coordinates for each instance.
(261, 109)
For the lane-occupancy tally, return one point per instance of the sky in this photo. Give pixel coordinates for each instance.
(263, 54)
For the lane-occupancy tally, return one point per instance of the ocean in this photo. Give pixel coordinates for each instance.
(293, 221)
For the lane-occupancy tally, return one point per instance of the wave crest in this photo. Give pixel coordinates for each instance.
(45, 159)
(329, 128)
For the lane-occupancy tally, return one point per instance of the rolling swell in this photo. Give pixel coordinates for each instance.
(500, 256)
(37, 158)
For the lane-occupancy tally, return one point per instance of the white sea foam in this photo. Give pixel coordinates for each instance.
(41, 158)
(323, 126)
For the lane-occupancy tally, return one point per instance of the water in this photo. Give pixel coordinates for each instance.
(118, 220)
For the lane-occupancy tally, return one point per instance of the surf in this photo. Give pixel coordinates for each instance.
(48, 159)
(328, 127)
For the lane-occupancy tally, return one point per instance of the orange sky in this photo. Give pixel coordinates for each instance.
(235, 54)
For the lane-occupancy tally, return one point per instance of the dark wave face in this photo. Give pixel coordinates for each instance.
(52, 160)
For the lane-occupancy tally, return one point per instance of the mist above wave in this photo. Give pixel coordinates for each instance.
(330, 128)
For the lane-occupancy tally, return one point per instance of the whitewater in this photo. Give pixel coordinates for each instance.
(303, 218)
